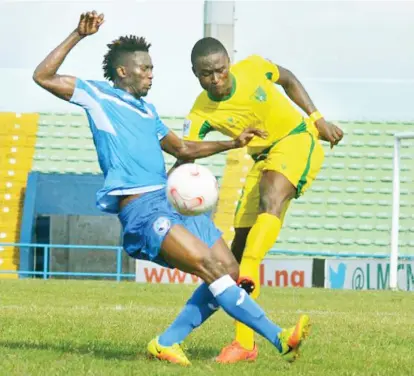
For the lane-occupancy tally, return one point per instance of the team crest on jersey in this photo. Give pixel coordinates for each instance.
(260, 95)
(161, 226)
(186, 127)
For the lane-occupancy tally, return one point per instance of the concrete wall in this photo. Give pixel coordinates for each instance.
(81, 230)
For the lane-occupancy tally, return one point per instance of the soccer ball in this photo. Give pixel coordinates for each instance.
(192, 189)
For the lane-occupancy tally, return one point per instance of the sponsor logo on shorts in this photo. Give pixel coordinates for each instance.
(161, 226)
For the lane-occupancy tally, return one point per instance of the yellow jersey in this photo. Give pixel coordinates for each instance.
(253, 102)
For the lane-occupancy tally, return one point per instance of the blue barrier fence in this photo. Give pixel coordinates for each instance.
(45, 273)
(118, 275)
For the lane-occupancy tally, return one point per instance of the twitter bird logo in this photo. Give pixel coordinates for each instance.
(337, 278)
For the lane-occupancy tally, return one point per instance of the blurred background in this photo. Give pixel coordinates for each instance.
(355, 58)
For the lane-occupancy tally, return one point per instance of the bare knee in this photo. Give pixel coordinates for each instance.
(275, 192)
(210, 268)
(274, 204)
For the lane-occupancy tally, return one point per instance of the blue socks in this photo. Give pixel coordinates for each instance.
(239, 305)
(198, 309)
(235, 302)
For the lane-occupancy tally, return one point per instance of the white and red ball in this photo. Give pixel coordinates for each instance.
(192, 189)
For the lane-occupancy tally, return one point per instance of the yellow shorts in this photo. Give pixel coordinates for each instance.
(299, 157)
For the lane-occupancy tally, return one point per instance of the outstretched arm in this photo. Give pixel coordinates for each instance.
(297, 93)
(46, 75)
(190, 150)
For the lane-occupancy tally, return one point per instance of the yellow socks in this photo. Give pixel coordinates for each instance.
(261, 238)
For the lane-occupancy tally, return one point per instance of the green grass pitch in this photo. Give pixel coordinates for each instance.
(67, 328)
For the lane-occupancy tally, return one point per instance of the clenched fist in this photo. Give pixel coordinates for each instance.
(89, 23)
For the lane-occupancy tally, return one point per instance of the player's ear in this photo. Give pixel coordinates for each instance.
(194, 71)
(121, 71)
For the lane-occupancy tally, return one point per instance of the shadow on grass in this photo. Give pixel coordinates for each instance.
(99, 350)
(104, 350)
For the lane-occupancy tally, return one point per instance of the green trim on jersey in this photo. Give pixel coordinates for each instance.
(301, 128)
(205, 128)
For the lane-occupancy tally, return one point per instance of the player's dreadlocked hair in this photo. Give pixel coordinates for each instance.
(206, 46)
(117, 49)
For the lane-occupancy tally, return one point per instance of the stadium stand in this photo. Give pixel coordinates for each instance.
(348, 208)
(17, 147)
(64, 145)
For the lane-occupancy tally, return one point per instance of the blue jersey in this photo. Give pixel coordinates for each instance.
(127, 133)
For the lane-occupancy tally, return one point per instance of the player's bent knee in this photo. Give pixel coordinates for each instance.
(274, 205)
(210, 269)
(275, 192)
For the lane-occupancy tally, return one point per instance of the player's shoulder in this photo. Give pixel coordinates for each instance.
(250, 61)
(95, 87)
(101, 85)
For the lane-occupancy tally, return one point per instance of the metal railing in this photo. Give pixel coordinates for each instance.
(395, 229)
(118, 275)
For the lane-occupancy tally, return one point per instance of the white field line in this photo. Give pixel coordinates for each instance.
(162, 310)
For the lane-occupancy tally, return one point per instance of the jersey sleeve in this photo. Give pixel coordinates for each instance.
(162, 129)
(85, 94)
(195, 127)
(265, 66)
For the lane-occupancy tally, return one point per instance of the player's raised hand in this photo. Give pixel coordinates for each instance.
(329, 132)
(247, 135)
(89, 23)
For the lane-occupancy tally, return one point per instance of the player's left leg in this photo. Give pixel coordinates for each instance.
(288, 170)
(244, 347)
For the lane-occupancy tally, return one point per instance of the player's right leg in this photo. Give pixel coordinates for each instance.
(186, 252)
(151, 226)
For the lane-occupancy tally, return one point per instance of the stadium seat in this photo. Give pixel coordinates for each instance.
(351, 198)
(17, 147)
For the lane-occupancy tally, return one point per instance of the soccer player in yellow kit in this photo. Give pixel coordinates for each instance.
(286, 162)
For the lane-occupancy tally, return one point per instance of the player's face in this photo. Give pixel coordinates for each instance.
(213, 73)
(138, 73)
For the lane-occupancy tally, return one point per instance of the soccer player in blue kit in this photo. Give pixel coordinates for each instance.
(129, 138)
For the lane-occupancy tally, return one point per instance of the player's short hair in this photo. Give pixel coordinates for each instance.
(206, 46)
(118, 49)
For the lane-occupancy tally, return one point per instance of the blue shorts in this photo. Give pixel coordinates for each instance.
(147, 220)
